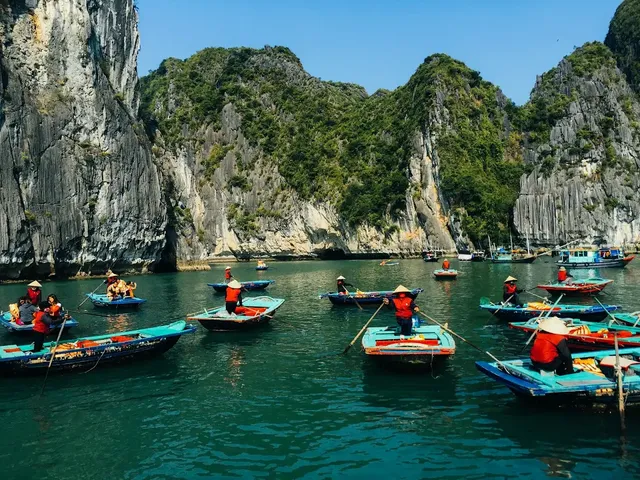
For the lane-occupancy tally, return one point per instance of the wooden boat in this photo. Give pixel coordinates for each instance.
(389, 264)
(504, 256)
(632, 319)
(590, 335)
(262, 267)
(5, 321)
(478, 256)
(592, 383)
(254, 285)
(429, 256)
(535, 309)
(363, 298)
(442, 274)
(124, 303)
(254, 312)
(427, 345)
(605, 257)
(88, 352)
(465, 256)
(588, 286)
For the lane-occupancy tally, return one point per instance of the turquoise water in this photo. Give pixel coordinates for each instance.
(278, 402)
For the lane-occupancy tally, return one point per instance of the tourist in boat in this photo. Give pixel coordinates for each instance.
(404, 305)
(42, 323)
(115, 290)
(550, 351)
(446, 264)
(227, 275)
(55, 307)
(383, 263)
(261, 263)
(563, 276)
(233, 296)
(511, 291)
(27, 310)
(131, 286)
(342, 285)
(34, 292)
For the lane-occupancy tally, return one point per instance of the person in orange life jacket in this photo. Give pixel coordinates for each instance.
(511, 291)
(34, 293)
(550, 351)
(233, 296)
(342, 285)
(42, 323)
(404, 306)
(227, 275)
(563, 276)
(446, 264)
(55, 307)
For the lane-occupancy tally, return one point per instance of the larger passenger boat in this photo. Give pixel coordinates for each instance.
(594, 258)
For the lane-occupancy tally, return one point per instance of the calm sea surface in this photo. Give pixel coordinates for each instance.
(278, 402)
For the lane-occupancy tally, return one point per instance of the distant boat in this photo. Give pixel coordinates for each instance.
(442, 274)
(430, 256)
(5, 321)
(363, 298)
(504, 256)
(465, 256)
(262, 267)
(255, 285)
(605, 257)
(122, 303)
(478, 256)
(254, 311)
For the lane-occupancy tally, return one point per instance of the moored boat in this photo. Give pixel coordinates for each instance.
(430, 256)
(363, 298)
(262, 267)
(427, 345)
(5, 321)
(89, 352)
(254, 285)
(605, 257)
(255, 311)
(590, 335)
(535, 309)
(123, 303)
(465, 256)
(593, 381)
(442, 274)
(478, 256)
(501, 255)
(589, 286)
(632, 319)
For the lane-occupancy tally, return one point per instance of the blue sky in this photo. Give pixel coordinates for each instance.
(379, 44)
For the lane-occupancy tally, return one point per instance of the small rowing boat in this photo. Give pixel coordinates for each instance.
(123, 303)
(88, 352)
(255, 311)
(254, 285)
(535, 309)
(632, 319)
(589, 286)
(590, 335)
(442, 274)
(5, 321)
(592, 383)
(427, 344)
(363, 298)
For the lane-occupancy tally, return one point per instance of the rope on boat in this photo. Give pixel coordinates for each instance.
(103, 352)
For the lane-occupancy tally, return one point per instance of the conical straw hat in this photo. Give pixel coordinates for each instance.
(340, 278)
(234, 284)
(510, 279)
(553, 325)
(402, 289)
(227, 268)
(111, 275)
(35, 283)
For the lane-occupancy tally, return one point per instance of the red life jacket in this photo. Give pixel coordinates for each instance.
(445, 265)
(232, 295)
(545, 347)
(227, 274)
(510, 288)
(38, 324)
(34, 296)
(54, 310)
(403, 306)
(562, 275)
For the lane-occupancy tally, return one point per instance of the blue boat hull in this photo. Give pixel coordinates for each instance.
(364, 298)
(514, 314)
(102, 301)
(216, 320)
(257, 285)
(27, 329)
(262, 268)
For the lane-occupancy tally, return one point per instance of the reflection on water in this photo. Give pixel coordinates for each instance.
(283, 402)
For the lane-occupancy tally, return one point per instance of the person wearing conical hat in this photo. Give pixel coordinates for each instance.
(342, 285)
(233, 296)
(404, 305)
(550, 351)
(510, 291)
(111, 278)
(34, 292)
(227, 275)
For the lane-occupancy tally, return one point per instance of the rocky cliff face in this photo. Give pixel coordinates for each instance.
(80, 191)
(586, 166)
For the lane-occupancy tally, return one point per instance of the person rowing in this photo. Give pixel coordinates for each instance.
(342, 285)
(233, 296)
(563, 276)
(34, 292)
(446, 264)
(404, 305)
(510, 291)
(550, 351)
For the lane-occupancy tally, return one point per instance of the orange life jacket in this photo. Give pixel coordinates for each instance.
(510, 288)
(545, 348)
(54, 310)
(562, 275)
(446, 264)
(232, 294)
(403, 307)
(38, 324)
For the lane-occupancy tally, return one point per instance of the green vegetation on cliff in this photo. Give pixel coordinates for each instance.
(623, 39)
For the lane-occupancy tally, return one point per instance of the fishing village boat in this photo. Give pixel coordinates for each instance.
(592, 383)
(89, 352)
(102, 301)
(254, 285)
(503, 256)
(465, 256)
(632, 319)
(605, 257)
(262, 267)
(478, 256)
(363, 298)
(442, 274)
(430, 256)
(589, 286)
(535, 309)
(13, 327)
(255, 311)
(590, 335)
(427, 345)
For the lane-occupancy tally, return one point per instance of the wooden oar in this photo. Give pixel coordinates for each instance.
(94, 291)
(613, 319)
(538, 318)
(354, 298)
(53, 353)
(362, 330)
(463, 339)
(84, 312)
(619, 382)
(504, 304)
